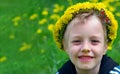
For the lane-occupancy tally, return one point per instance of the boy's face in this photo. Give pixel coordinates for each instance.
(86, 44)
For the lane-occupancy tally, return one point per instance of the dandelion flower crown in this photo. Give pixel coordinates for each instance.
(106, 16)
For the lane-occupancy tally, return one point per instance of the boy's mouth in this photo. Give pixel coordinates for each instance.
(85, 58)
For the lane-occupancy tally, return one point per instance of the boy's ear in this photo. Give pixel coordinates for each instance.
(65, 47)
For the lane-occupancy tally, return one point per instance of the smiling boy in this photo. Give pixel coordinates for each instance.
(85, 32)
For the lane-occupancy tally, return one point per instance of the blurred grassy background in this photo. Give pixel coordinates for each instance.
(26, 44)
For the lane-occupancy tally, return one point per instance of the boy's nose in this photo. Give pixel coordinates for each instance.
(85, 47)
(85, 51)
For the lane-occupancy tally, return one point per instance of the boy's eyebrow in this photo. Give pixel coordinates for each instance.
(96, 37)
(76, 36)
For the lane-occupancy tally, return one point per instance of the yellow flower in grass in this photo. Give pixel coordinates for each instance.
(42, 21)
(15, 23)
(118, 14)
(45, 12)
(70, 2)
(12, 36)
(57, 8)
(2, 59)
(39, 31)
(33, 16)
(50, 27)
(107, 3)
(111, 8)
(25, 46)
(54, 17)
(16, 19)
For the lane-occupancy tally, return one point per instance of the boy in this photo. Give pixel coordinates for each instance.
(85, 32)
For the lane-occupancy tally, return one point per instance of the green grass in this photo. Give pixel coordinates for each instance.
(38, 54)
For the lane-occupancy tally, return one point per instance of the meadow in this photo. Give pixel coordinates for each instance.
(26, 42)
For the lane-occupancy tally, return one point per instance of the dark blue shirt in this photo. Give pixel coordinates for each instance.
(108, 66)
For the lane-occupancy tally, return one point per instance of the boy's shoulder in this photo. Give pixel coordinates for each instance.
(67, 68)
(116, 70)
(108, 65)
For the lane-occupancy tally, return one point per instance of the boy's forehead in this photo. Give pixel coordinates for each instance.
(90, 26)
(90, 22)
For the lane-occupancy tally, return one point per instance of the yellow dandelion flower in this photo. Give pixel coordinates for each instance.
(118, 14)
(43, 21)
(15, 24)
(39, 31)
(25, 46)
(109, 47)
(33, 16)
(111, 8)
(57, 8)
(16, 19)
(70, 2)
(65, 18)
(107, 3)
(2, 59)
(50, 27)
(45, 12)
(12, 36)
(56, 5)
(54, 17)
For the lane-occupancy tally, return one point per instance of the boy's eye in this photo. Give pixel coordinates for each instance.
(95, 41)
(76, 42)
